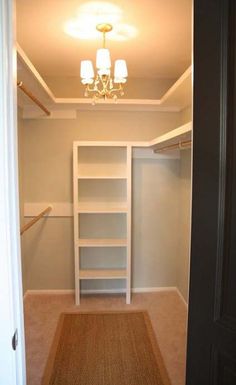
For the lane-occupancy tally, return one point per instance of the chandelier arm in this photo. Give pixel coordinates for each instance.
(104, 92)
(98, 91)
(105, 82)
(117, 89)
(90, 89)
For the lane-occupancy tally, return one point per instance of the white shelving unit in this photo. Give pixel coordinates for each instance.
(102, 208)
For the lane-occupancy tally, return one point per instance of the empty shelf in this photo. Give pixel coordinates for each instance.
(82, 242)
(103, 274)
(182, 133)
(102, 177)
(102, 208)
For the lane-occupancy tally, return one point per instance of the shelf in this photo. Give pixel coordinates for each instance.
(101, 208)
(103, 274)
(102, 177)
(182, 133)
(82, 242)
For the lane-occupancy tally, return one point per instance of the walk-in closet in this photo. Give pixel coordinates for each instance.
(104, 98)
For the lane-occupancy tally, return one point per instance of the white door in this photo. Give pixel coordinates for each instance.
(12, 362)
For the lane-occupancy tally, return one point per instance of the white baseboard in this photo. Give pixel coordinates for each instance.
(47, 292)
(100, 291)
(152, 289)
(181, 297)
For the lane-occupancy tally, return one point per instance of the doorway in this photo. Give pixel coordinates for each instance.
(154, 117)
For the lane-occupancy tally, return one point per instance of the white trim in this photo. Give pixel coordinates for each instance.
(99, 291)
(153, 289)
(48, 292)
(164, 104)
(12, 362)
(181, 297)
(31, 112)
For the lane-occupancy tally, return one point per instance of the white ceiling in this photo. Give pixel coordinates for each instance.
(161, 49)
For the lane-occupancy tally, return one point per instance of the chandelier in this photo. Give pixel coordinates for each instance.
(103, 85)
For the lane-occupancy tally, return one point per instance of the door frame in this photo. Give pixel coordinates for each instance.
(12, 371)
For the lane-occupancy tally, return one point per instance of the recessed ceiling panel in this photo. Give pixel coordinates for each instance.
(154, 36)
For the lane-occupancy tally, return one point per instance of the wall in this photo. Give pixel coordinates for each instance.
(48, 146)
(48, 246)
(155, 218)
(20, 124)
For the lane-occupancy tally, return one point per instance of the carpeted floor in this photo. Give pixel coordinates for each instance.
(166, 309)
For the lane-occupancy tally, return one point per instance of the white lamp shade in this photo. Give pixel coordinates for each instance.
(86, 69)
(104, 71)
(120, 69)
(120, 80)
(103, 60)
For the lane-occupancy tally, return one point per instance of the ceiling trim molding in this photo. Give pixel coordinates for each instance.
(177, 98)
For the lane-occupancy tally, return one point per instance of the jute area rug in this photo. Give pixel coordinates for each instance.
(105, 348)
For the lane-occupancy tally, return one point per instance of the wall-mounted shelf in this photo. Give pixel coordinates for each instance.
(178, 135)
(164, 143)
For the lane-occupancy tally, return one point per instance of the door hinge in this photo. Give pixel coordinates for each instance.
(15, 340)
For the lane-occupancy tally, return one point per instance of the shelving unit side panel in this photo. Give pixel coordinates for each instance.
(129, 221)
(76, 223)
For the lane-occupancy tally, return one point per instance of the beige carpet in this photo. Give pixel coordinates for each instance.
(166, 310)
(105, 348)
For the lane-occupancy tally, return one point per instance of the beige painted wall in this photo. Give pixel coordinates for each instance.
(48, 247)
(155, 217)
(48, 146)
(185, 115)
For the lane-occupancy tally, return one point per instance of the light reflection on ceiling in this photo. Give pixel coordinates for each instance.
(90, 14)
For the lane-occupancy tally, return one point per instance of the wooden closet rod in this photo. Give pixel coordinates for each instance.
(33, 98)
(36, 219)
(180, 145)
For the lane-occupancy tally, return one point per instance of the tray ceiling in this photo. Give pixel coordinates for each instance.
(160, 45)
